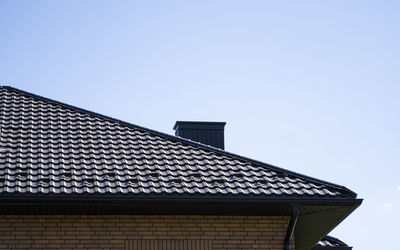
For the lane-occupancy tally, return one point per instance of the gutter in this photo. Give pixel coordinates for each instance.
(291, 226)
(177, 198)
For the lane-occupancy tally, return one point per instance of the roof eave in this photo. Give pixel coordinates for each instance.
(196, 205)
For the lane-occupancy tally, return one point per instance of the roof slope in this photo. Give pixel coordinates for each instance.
(329, 242)
(47, 147)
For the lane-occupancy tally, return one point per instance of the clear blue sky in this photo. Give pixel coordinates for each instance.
(311, 86)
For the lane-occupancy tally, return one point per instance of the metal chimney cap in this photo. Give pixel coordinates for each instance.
(199, 125)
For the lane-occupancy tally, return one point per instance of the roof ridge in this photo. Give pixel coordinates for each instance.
(183, 140)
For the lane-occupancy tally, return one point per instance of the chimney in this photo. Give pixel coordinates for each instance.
(210, 133)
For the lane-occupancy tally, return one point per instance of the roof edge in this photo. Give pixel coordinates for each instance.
(173, 198)
(334, 239)
(156, 207)
(183, 140)
(340, 245)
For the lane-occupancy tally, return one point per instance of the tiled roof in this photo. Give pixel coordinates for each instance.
(329, 241)
(47, 147)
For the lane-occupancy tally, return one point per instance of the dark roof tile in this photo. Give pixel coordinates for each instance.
(329, 241)
(50, 147)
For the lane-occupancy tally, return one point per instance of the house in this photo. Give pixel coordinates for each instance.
(74, 179)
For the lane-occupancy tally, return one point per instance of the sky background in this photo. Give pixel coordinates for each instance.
(311, 86)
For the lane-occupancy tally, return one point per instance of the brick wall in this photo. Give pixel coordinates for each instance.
(142, 232)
